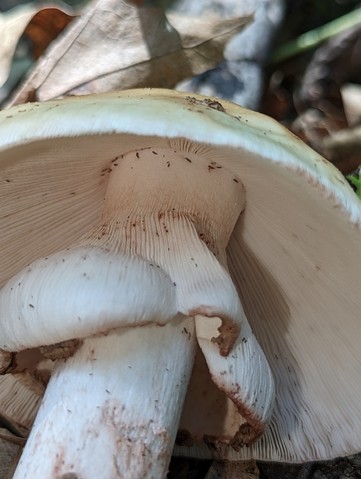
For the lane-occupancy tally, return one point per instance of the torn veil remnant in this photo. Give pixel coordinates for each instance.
(125, 216)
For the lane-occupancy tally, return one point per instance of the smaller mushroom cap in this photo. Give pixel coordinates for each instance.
(81, 292)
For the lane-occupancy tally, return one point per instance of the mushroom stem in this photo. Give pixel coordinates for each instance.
(117, 401)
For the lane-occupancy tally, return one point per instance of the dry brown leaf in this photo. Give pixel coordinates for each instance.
(41, 24)
(45, 26)
(116, 45)
(343, 149)
(351, 97)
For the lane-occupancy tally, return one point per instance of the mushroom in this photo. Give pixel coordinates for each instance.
(127, 236)
(139, 230)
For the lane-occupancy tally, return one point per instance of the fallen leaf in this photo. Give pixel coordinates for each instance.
(41, 24)
(351, 97)
(12, 26)
(343, 149)
(117, 45)
(45, 26)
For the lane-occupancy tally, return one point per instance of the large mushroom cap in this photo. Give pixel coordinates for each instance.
(294, 254)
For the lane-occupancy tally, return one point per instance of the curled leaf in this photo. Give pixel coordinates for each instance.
(117, 45)
(41, 25)
(12, 26)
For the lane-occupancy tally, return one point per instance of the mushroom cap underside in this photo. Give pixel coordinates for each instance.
(294, 254)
